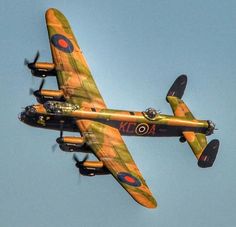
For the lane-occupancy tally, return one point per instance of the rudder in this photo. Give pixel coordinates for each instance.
(208, 156)
(174, 95)
(178, 87)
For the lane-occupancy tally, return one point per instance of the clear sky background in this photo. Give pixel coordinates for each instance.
(135, 50)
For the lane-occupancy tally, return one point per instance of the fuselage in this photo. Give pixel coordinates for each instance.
(130, 123)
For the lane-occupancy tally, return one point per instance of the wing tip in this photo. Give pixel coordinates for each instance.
(153, 205)
(144, 199)
(50, 12)
(150, 203)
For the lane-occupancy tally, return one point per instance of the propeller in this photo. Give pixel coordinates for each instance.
(31, 64)
(79, 163)
(36, 92)
(54, 146)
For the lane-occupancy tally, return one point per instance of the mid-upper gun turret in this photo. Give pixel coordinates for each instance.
(151, 114)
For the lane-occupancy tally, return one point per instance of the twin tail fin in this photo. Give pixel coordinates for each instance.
(205, 153)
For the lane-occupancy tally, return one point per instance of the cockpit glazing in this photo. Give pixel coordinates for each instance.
(59, 107)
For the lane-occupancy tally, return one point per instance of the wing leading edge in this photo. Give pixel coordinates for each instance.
(73, 74)
(107, 144)
(76, 81)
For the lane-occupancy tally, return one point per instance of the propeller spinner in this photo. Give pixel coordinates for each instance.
(31, 65)
(37, 92)
(79, 163)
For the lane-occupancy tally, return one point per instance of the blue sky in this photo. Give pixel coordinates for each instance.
(135, 50)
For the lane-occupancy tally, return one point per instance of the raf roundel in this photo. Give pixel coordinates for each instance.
(142, 129)
(129, 179)
(62, 43)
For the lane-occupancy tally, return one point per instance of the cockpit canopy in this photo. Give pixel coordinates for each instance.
(59, 107)
(151, 113)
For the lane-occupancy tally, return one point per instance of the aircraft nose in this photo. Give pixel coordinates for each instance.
(29, 110)
(21, 116)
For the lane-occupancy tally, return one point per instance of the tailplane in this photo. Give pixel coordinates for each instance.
(205, 153)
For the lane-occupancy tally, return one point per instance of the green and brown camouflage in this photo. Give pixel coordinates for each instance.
(83, 110)
(108, 146)
(101, 129)
(127, 122)
(73, 74)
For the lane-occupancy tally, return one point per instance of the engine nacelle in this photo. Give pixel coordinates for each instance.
(43, 96)
(42, 69)
(73, 148)
(92, 168)
(72, 144)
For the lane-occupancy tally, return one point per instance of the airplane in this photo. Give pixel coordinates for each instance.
(77, 106)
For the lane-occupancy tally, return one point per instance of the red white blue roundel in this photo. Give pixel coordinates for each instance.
(129, 179)
(62, 43)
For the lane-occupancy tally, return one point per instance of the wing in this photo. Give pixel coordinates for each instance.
(107, 144)
(73, 74)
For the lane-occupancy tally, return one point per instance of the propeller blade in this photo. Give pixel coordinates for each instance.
(61, 129)
(78, 162)
(26, 61)
(42, 84)
(75, 158)
(31, 64)
(58, 140)
(31, 91)
(36, 57)
(84, 159)
(54, 147)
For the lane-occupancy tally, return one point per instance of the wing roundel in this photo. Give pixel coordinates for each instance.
(107, 144)
(73, 74)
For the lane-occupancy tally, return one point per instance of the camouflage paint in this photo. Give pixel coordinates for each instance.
(100, 127)
(135, 124)
(108, 146)
(74, 76)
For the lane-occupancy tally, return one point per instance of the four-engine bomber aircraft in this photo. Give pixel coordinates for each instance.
(78, 107)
